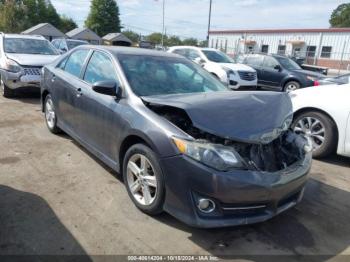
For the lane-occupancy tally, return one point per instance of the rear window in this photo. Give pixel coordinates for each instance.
(72, 44)
(28, 46)
(254, 60)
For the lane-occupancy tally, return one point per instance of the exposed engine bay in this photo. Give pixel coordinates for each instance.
(277, 155)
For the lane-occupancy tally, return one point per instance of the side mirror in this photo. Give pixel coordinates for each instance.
(278, 68)
(199, 61)
(63, 50)
(109, 88)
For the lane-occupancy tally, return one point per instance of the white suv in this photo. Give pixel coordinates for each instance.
(220, 65)
(21, 60)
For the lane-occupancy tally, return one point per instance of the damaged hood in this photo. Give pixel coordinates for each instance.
(32, 59)
(252, 117)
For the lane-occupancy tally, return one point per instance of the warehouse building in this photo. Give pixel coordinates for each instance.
(85, 34)
(323, 47)
(46, 30)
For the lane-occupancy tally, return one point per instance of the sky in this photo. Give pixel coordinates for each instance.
(189, 18)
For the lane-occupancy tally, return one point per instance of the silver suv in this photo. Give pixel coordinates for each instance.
(21, 60)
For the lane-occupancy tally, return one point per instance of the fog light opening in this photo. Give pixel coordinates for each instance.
(206, 205)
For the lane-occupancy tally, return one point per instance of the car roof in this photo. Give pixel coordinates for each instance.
(22, 36)
(115, 50)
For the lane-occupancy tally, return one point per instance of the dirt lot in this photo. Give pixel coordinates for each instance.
(55, 198)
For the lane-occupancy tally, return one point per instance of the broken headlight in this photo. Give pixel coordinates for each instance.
(220, 157)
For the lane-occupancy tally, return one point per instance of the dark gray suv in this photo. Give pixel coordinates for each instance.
(280, 73)
(183, 142)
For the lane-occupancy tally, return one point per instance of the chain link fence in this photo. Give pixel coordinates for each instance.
(337, 63)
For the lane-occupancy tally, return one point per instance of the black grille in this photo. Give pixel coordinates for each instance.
(32, 71)
(248, 76)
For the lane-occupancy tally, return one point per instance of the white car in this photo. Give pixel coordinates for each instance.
(220, 65)
(21, 60)
(323, 114)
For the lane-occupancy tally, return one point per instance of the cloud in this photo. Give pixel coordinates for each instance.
(188, 18)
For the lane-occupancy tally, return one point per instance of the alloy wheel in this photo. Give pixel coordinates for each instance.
(50, 114)
(141, 179)
(313, 128)
(291, 87)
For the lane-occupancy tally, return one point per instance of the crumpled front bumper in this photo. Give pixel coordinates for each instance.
(19, 80)
(241, 196)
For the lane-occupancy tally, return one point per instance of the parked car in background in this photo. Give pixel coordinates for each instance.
(220, 65)
(280, 73)
(63, 45)
(323, 114)
(182, 140)
(339, 80)
(21, 60)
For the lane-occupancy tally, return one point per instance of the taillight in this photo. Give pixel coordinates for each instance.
(316, 83)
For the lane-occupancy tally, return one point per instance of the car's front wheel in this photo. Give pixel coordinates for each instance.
(50, 115)
(143, 179)
(6, 91)
(320, 129)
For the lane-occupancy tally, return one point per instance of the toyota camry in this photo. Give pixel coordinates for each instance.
(182, 141)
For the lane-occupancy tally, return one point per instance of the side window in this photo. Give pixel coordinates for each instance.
(180, 52)
(63, 45)
(192, 54)
(100, 68)
(270, 62)
(254, 60)
(54, 43)
(76, 61)
(62, 64)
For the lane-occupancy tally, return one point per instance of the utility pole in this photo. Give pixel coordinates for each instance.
(163, 31)
(211, 1)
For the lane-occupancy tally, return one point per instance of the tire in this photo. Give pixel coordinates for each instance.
(291, 86)
(50, 115)
(6, 91)
(330, 135)
(153, 205)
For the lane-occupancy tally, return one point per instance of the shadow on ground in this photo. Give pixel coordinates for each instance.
(28, 226)
(316, 230)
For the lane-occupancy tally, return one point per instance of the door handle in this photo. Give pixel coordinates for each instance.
(79, 92)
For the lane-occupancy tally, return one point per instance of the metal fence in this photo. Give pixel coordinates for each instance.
(336, 62)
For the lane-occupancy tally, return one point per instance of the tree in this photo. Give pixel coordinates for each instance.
(133, 36)
(341, 16)
(190, 41)
(173, 41)
(11, 17)
(67, 24)
(156, 38)
(103, 17)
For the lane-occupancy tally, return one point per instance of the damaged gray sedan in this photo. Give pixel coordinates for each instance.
(183, 142)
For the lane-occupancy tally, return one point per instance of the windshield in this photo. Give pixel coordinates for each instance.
(288, 64)
(217, 56)
(72, 44)
(159, 75)
(28, 46)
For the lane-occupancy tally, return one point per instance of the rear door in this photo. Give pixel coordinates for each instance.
(271, 76)
(66, 84)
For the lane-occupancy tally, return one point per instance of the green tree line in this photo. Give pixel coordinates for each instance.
(19, 15)
(156, 39)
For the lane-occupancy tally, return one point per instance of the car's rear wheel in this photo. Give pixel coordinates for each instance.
(320, 129)
(291, 86)
(6, 91)
(143, 179)
(50, 115)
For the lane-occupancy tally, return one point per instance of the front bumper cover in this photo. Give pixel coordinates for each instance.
(19, 80)
(241, 196)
